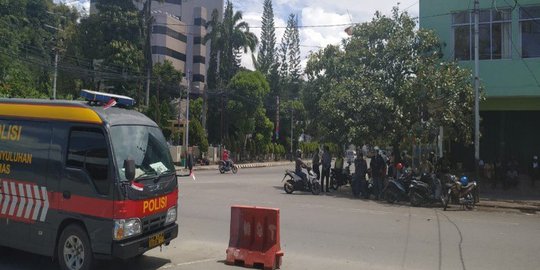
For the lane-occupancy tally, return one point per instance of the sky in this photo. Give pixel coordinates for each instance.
(310, 13)
(317, 13)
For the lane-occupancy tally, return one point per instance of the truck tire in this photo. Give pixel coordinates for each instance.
(74, 250)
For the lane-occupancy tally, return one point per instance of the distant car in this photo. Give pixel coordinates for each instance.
(350, 155)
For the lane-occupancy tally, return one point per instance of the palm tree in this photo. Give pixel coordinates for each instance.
(229, 38)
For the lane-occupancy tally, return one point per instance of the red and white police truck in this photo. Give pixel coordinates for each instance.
(84, 180)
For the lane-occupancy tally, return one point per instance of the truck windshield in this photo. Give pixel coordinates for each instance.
(146, 146)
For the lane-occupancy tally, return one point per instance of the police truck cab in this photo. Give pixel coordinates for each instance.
(81, 180)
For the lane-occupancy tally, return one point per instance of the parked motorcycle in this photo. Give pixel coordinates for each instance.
(422, 191)
(223, 167)
(340, 178)
(460, 192)
(294, 182)
(398, 189)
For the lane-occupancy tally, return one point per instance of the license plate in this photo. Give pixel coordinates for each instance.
(156, 240)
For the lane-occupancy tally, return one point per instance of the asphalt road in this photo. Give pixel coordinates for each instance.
(331, 231)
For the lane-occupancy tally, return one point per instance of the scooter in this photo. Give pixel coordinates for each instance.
(398, 189)
(294, 182)
(421, 192)
(460, 192)
(338, 179)
(223, 167)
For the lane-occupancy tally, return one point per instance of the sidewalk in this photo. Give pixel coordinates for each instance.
(524, 197)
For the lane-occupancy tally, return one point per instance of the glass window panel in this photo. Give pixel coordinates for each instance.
(461, 17)
(530, 38)
(484, 42)
(530, 12)
(502, 15)
(485, 16)
(462, 41)
(496, 41)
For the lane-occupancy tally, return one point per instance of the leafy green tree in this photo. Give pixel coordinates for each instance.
(229, 38)
(114, 37)
(29, 35)
(388, 81)
(166, 80)
(267, 48)
(197, 136)
(248, 90)
(290, 51)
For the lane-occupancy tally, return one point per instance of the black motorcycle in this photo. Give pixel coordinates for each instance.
(340, 178)
(294, 182)
(224, 167)
(422, 191)
(398, 189)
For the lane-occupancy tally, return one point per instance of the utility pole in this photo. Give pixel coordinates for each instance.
(476, 86)
(187, 111)
(56, 49)
(292, 130)
(55, 72)
(148, 49)
(277, 119)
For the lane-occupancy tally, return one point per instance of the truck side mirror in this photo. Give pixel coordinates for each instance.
(129, 169)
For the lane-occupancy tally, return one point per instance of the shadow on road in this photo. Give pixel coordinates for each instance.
(12, 259)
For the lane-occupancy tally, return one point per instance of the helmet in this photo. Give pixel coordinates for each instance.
(535, 157)
(464, 180)
(298, 153)
(399, 166)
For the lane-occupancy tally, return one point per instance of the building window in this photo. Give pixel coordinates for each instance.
(529, 18)
(197, 59)
(197, 40)
(164, 30)
(200, 22)
(495, 37)
(175, 2)
(198, 78)
(168, 52)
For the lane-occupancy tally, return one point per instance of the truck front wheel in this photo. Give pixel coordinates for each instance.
(74, 251)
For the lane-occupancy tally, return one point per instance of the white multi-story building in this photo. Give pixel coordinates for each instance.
(178, 30)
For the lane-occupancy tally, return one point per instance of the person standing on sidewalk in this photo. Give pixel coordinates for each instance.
(378, 169)
(189, 160)
(535, 170)
(316, 163)
(326, 164)
(360, 170)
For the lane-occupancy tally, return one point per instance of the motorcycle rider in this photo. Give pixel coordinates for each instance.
(299, 165)
(226, 158)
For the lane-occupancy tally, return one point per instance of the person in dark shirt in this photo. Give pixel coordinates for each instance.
(316, 163)
(378, 168)
(360, 170)
(326, 165)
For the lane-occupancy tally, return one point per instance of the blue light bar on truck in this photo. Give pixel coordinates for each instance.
(94, 96)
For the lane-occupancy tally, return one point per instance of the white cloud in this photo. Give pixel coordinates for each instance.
(318, 12)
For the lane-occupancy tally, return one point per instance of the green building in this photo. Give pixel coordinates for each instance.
(509, 54)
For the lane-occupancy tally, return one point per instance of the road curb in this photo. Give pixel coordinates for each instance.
(241, 166)
(506, 205)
